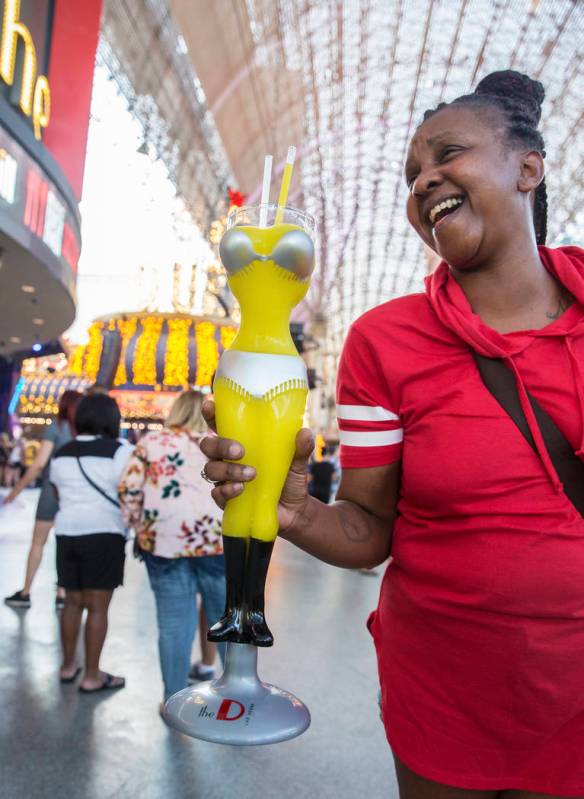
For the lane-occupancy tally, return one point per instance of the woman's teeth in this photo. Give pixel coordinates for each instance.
(445, 205)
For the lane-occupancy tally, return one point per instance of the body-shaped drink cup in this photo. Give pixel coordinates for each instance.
(260, 397)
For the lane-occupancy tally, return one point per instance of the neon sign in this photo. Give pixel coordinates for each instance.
(30, 199)
(8, 171)
(35, 94)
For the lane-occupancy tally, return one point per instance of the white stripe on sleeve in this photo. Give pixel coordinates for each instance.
(381, 439)
(365, 413)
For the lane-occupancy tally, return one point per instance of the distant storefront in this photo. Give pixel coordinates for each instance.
(47, 54)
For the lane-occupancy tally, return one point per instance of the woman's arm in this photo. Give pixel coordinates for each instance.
(131, 485)
(353, 532)
(36, 467)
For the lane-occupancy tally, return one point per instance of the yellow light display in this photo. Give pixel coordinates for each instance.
(41, 105)
(93, 351)
(227, 336)
(176, 361)
(45, 380)
(76, 361)
(35, 94)
(127, 328)
(144, 366)
(207, 353)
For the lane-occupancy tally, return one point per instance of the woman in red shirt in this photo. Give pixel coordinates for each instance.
(479, 630)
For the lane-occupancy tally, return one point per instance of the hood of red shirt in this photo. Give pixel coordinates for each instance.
(454, 311)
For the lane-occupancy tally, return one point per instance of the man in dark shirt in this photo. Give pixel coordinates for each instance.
(321, 477)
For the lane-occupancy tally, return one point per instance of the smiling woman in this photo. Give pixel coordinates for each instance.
(479, 161)
(479, 630)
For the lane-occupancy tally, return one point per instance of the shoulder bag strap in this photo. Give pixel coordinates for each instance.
(97, 488)
(500, 381)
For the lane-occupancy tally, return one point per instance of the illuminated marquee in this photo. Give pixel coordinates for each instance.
(29, 198)
(35, 94)
(8, 172)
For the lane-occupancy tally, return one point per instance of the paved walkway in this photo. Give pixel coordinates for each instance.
(55, 742)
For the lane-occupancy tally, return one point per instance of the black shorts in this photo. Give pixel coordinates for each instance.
(91, 561)
(48, 504)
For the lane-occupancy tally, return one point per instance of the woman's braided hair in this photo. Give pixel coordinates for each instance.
(519, 99)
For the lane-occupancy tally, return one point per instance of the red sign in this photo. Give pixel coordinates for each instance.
(31, 199)
(73, 45)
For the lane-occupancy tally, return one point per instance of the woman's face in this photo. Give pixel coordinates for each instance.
(464, 199)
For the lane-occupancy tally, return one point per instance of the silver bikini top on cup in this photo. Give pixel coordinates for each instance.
(294, 252)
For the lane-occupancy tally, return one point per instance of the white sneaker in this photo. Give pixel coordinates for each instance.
(199, 673)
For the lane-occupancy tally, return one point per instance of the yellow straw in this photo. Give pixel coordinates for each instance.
(285, 188)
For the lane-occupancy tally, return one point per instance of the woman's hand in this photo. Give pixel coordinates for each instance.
(232, 476)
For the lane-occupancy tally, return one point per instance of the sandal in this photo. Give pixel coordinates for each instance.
(73, 677)
(107, 685)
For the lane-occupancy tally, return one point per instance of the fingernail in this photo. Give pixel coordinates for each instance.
(248, 471)
(235, 451)
(237, 487)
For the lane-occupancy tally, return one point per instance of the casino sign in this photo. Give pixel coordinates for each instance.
(47, 51)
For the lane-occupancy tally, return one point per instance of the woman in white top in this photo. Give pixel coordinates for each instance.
(90, 535)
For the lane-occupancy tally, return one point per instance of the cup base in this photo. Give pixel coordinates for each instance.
(237, 709)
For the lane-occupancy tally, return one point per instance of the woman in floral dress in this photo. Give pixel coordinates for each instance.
(178, 528)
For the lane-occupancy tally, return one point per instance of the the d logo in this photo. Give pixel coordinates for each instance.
(226, 705)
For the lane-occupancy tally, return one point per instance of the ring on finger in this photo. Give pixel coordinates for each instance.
(205, 477)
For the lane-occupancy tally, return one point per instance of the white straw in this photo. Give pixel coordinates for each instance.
(266, 191)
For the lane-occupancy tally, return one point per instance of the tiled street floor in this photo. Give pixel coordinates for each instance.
(57, 743)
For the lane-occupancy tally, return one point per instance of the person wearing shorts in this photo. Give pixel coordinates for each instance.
(90, 535)
(55, 435)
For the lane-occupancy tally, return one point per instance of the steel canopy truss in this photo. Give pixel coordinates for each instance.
(347, 81)
(370, 69)
(147, 57)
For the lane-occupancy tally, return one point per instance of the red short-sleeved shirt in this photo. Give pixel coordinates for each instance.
(479, 630)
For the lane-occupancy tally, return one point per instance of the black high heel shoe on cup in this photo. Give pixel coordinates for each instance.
(246, 569)
(254, 622)
(229, 626)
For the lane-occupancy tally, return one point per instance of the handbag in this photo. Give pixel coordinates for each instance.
(136, 551)
(500, 381)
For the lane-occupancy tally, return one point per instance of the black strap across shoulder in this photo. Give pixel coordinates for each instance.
(97, 488)
(500, 381)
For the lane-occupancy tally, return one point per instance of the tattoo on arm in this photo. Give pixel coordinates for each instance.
(355, 522)
(344, 533)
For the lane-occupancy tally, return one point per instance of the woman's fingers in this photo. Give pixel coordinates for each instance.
(218, 449)
(220, 471)
(232, 476)
(304, 447)
(222, 493)
(294, 491)
(221, 452)
(208, 411)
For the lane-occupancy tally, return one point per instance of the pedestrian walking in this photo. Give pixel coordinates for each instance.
(55, 435)
(91, 536)
(178, 530)
(321, 476)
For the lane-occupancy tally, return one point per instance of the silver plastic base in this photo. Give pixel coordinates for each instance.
(238, 708)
